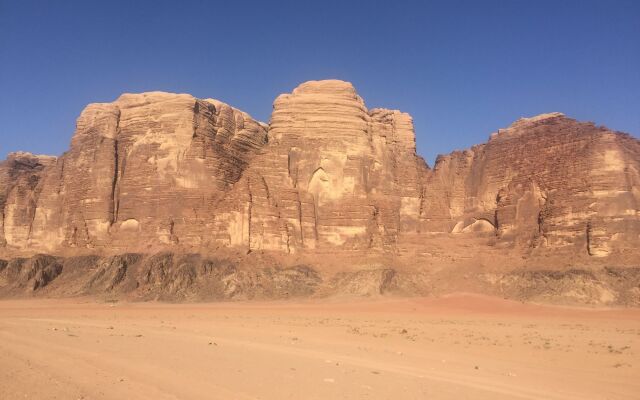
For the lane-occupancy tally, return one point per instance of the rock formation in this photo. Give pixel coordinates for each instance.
(20, 186)
(334, 175)
(157, 172)
(546, 181)
(147, 168)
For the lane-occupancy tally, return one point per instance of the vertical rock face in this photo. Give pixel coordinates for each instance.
(328, 175)
(546, 181)
(333, 175)
(146, 169)
(21, 176)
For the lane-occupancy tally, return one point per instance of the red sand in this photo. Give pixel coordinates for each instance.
(460, 346)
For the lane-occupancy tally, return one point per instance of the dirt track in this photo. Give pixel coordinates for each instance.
(451, 348)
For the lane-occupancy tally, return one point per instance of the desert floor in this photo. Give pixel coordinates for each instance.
(456, 347)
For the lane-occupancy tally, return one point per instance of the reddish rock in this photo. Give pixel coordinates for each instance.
(159, 170)
(546, 181)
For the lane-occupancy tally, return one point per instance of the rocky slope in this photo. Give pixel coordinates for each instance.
(331, 192)
(173, 276)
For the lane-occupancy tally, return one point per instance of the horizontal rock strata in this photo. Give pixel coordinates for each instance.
(147, 169)
(328, 176)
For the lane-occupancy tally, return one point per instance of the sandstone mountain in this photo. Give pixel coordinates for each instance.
(329, 197)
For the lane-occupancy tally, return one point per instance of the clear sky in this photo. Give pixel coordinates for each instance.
(462, 69)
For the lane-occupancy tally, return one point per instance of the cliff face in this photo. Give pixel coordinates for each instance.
(334, 175)
(158, 170)
(21, 176)
(145, 169)
(547, 181)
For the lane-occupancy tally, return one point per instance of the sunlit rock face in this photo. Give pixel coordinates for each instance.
(21, 176)
(334, 175)
(327, 175)
(545, 181)
(145, 169)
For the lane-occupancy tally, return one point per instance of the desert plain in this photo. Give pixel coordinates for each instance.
(231, 218)
(458, 346)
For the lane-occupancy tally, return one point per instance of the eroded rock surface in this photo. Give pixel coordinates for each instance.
(333, 176)
(169, 276)
(147, 169)
(31, 274)
(547, 181)
(328, 180)
(21, 176)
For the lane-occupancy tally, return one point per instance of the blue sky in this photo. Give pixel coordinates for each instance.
(462, 69)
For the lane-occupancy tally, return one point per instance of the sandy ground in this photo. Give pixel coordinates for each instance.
(458, 347)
